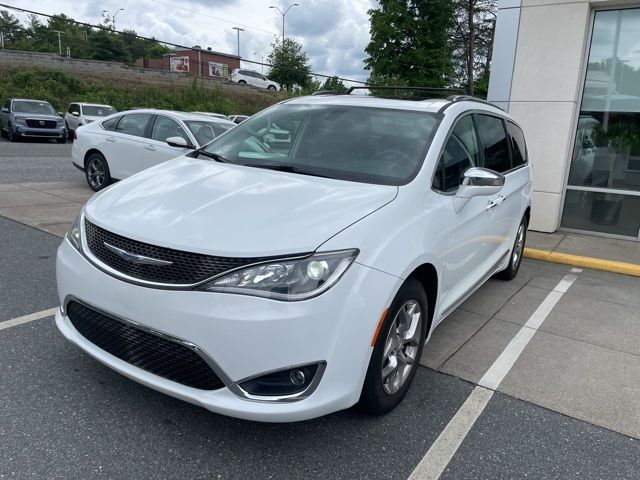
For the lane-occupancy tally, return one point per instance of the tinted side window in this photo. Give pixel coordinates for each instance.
(110, 124)
(165, 128)
(461, 152)
(134, 124)
(518, 145)
(496, 146)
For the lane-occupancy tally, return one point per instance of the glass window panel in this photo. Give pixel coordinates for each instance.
(606, 152)
(602, 212)
(496, 146)
(166, 128)
(518, 145)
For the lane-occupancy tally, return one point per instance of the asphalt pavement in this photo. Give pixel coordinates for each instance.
(568, 408)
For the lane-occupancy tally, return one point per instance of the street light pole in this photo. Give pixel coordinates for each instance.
(261, 61)
(107, 14)
(59, 41)
(284, 14)
(239, 30)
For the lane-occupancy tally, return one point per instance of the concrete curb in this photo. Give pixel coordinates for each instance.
(586, 262)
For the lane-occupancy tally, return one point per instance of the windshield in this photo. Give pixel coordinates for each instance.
(97, 111)
(206, 131)
(362, 144)
(22, 106)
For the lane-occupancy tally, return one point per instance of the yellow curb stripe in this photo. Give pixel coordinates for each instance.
(586, 262)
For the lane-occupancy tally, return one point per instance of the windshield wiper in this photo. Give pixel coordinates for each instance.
(286, 168)
(215, 156)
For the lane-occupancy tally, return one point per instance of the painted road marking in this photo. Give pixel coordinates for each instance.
(446, 445)
(28, 318)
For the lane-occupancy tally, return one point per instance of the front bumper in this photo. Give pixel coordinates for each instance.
(26, 131)
(244, 336)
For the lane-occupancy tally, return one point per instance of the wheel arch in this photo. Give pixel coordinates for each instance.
(427, 275)
(89, 153)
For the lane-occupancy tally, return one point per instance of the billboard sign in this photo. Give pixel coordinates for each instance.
(220, 70)
(179, 64)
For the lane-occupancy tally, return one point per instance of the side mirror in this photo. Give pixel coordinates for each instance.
(478, 182)
(60, 113)
(5, 110)
(178, 142)
(75, 114)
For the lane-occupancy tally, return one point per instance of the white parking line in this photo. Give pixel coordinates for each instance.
(27, 318)
(446, 445)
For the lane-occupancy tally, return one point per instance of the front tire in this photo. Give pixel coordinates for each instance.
(242, 82)
(96, 171)
(517, 250)
(272, 88)
(11, 135)
(397, 351)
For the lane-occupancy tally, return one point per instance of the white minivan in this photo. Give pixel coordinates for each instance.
(282, 285)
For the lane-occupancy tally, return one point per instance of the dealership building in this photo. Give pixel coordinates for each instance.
(569, 72)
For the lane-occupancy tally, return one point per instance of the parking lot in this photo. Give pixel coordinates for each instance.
(537, 377)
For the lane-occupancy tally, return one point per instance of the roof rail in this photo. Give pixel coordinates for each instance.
(469, 98)
(418, 89)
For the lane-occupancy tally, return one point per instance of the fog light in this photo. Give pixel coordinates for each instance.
(297, 377)
(281, 383)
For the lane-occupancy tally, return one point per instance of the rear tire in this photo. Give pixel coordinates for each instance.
(96, 171)
(517, 250)
(272, 88)
(242, 82)
(396, 354)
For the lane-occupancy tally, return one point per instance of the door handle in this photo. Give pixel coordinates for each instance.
(110, 139)
(495, 202)
(151, 148)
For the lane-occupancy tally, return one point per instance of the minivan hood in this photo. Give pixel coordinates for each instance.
(230, 210)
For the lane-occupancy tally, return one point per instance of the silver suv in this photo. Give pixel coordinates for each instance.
(31, 118)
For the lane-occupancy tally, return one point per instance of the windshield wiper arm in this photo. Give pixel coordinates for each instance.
(215, 156)
(286, 168)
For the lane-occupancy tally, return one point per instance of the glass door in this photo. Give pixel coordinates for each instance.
(603, 191)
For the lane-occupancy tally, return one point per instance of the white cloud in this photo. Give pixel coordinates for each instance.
(333, 32)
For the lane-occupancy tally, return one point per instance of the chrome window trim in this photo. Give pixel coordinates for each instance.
(294, 397)
(192, 346)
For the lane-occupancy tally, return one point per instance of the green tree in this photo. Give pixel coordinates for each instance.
(410, 43)
(471, 42)
(12, 29)
(290, 64)
(109, 46)
(334, 84)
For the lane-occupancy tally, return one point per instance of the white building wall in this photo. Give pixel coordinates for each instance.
(537, 75)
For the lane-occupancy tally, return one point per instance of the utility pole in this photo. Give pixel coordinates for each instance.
(238, 30)
(261, 61)
(59, 41)
(2, 39)
(110, 15)
(284, 14)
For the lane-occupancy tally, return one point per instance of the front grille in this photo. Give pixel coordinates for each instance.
(41, 123)
(145, 350)
(187, 268)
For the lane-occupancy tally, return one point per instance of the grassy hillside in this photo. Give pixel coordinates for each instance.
(61, 88)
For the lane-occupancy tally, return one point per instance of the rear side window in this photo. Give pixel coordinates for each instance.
(110, 124)
(518, 145)
(134, 124)
(495, 142)
(461, 152)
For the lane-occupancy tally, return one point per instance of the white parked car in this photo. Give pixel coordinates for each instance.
(281, 286)
(79, 114)
(128, 142)
(244, 76)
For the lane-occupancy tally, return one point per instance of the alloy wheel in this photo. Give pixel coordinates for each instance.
(401, 347)
(95, 173)
(518, 247)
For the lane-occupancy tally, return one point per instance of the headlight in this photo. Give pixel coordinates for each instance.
(19, 119)
(287, 279)
(74, 234)
(60, 123)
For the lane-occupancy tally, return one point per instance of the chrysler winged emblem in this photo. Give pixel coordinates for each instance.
(134, 258)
